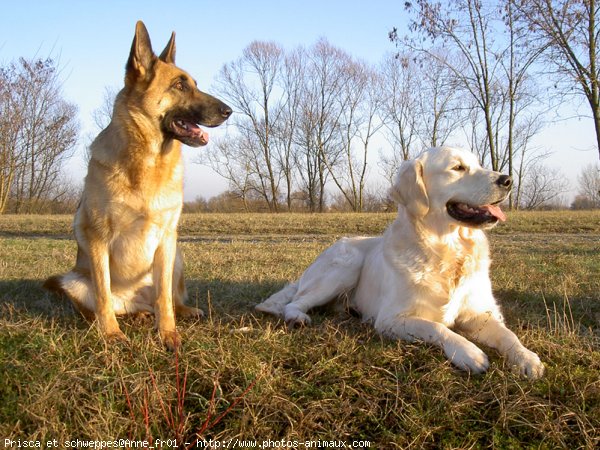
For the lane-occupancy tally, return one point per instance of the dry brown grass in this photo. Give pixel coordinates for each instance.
(294, 224)
(334, 380)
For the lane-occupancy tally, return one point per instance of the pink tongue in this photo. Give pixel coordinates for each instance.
(203, 135)
(495, 211)
(197, 131)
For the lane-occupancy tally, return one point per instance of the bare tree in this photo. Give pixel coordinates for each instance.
(522, 134)
(11, 116)
(103, 114)
(231, 157)
(401, 88)
(359, 102)
(464, 27)
(440, 107)
(492, 62)
(368, 126)
(308, 117)
(400, 111)
(307, 157)
(589, 184)
(326, 84)
(422, 105)
(542, 186)
(569, 30)
(292, 84)
(521, 95)
(248, 85)
(46, 132)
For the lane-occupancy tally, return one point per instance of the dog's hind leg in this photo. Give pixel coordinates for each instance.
(318, 291)
(180, 294)
(335, 272)
(276, 303)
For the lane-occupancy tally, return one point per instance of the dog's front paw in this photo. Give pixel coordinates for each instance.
(116, 337)
(111, 331)
(185, 311)
(170, 339)
(527, 363)
(296, 318)
(468, 357)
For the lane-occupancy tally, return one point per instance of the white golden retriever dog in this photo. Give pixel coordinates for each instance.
(429, 272)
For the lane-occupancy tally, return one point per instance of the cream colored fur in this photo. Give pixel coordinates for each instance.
(427, 275)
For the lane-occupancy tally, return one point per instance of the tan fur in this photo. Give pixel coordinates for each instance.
(126, 224)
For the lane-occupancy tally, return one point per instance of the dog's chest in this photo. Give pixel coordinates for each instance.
(155, 176)
(136, 234)
(447, 281)
(149, 186)
(140, 206)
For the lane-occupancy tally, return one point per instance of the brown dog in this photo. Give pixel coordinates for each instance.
(126, 223)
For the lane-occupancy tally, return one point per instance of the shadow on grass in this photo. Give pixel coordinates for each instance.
(226, 301)
(223, 302)
(27, 297)
(36, 235)
(551, 312)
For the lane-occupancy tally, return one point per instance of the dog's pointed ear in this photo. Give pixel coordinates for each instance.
(168, 54)
(409, 188)
(141, 57)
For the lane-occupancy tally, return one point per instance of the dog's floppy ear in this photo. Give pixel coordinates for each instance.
(168, 54)
(409, 188)
(141, 57)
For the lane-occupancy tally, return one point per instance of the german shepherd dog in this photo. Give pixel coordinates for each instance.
(126, 223)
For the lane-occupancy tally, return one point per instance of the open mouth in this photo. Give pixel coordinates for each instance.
(188, 132)
(475, 215)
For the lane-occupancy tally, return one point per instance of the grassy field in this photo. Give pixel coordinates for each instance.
(245, 376)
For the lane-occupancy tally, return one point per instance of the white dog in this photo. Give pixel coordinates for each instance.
(429, 272)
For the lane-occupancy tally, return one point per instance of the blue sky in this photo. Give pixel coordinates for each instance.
(92, 41)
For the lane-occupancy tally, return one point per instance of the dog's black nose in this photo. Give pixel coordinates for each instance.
(225, 111)
(504, 181)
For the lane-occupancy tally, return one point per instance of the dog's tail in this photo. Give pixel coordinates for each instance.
(54, 285)
(77, 288)
(275, 304)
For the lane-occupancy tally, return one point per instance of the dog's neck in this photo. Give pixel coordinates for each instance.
(434, 229)
(119, 134)
(124, 148)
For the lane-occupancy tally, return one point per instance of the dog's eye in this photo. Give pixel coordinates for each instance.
(180, 86)
(459, 168)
